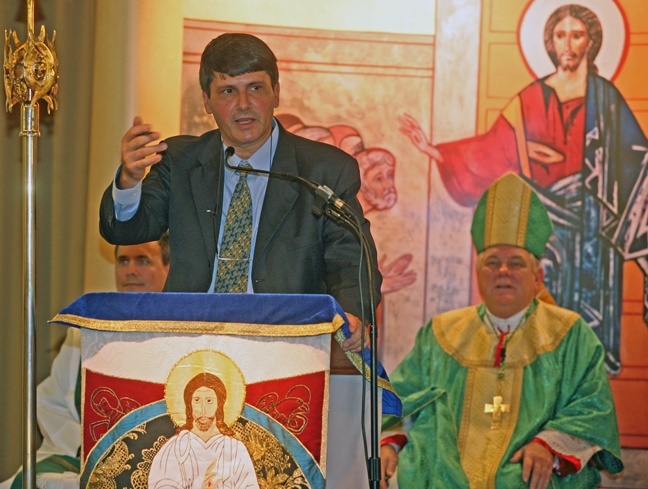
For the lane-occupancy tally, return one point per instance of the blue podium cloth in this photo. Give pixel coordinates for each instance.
(218, 308)
(262, 309)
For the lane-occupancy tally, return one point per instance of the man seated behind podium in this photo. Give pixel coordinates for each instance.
(138, 268)
(512, 392)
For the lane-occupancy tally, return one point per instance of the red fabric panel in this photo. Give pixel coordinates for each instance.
(295, 402)
(107, 399)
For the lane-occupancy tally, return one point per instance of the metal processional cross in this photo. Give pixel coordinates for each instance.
(30, 75)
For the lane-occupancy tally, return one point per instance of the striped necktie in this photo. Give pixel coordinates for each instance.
(234, 254)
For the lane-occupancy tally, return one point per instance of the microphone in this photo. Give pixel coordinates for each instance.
(324, 196)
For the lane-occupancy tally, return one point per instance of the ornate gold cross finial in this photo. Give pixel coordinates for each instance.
(30, 69)
(30, 74)
(497, 408)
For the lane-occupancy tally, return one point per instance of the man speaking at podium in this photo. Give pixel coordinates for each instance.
(237, 231)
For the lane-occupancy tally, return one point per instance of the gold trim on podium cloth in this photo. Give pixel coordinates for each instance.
(201, 327)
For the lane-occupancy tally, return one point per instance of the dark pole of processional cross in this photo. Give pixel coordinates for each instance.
(30, 75)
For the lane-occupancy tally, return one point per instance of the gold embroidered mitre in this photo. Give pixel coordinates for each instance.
(510, 213)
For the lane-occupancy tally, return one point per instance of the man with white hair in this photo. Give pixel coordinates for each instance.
(512, 392)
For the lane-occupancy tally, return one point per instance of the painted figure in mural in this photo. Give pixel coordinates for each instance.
(138, 268)
(378, 189)
(204, 452)
(512, 392)
(377, 193)
(377, 186)
(573, 137)
(377, 169)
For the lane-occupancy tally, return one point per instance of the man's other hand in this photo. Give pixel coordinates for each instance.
(354, 342)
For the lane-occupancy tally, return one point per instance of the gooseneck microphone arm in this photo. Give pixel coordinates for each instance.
(328, 204)
(229, 151)
(324, 196)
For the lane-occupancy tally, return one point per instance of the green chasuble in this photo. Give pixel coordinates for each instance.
(554, 379)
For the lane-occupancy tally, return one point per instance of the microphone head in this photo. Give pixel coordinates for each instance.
(229, 151)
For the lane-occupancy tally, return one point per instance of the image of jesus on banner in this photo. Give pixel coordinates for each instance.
(204, 452)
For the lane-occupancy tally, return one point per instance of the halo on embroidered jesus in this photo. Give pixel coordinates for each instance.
(199, 362)
(613, 23)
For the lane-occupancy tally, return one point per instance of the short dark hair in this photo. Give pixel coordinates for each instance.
(592, 24)
(164, 248)
(213, 382)
(235, 54)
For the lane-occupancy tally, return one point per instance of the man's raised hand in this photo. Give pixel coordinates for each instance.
(137, 154)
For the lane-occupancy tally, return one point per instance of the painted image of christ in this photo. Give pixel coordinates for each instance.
(203, 453)
(572, 136)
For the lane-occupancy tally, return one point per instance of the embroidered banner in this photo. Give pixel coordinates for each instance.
(167, 404)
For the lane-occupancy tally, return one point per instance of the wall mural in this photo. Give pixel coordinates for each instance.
(570, 133)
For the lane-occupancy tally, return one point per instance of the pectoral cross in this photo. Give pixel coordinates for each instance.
(497, 408)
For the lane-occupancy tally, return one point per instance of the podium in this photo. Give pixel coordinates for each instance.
(181, 390)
